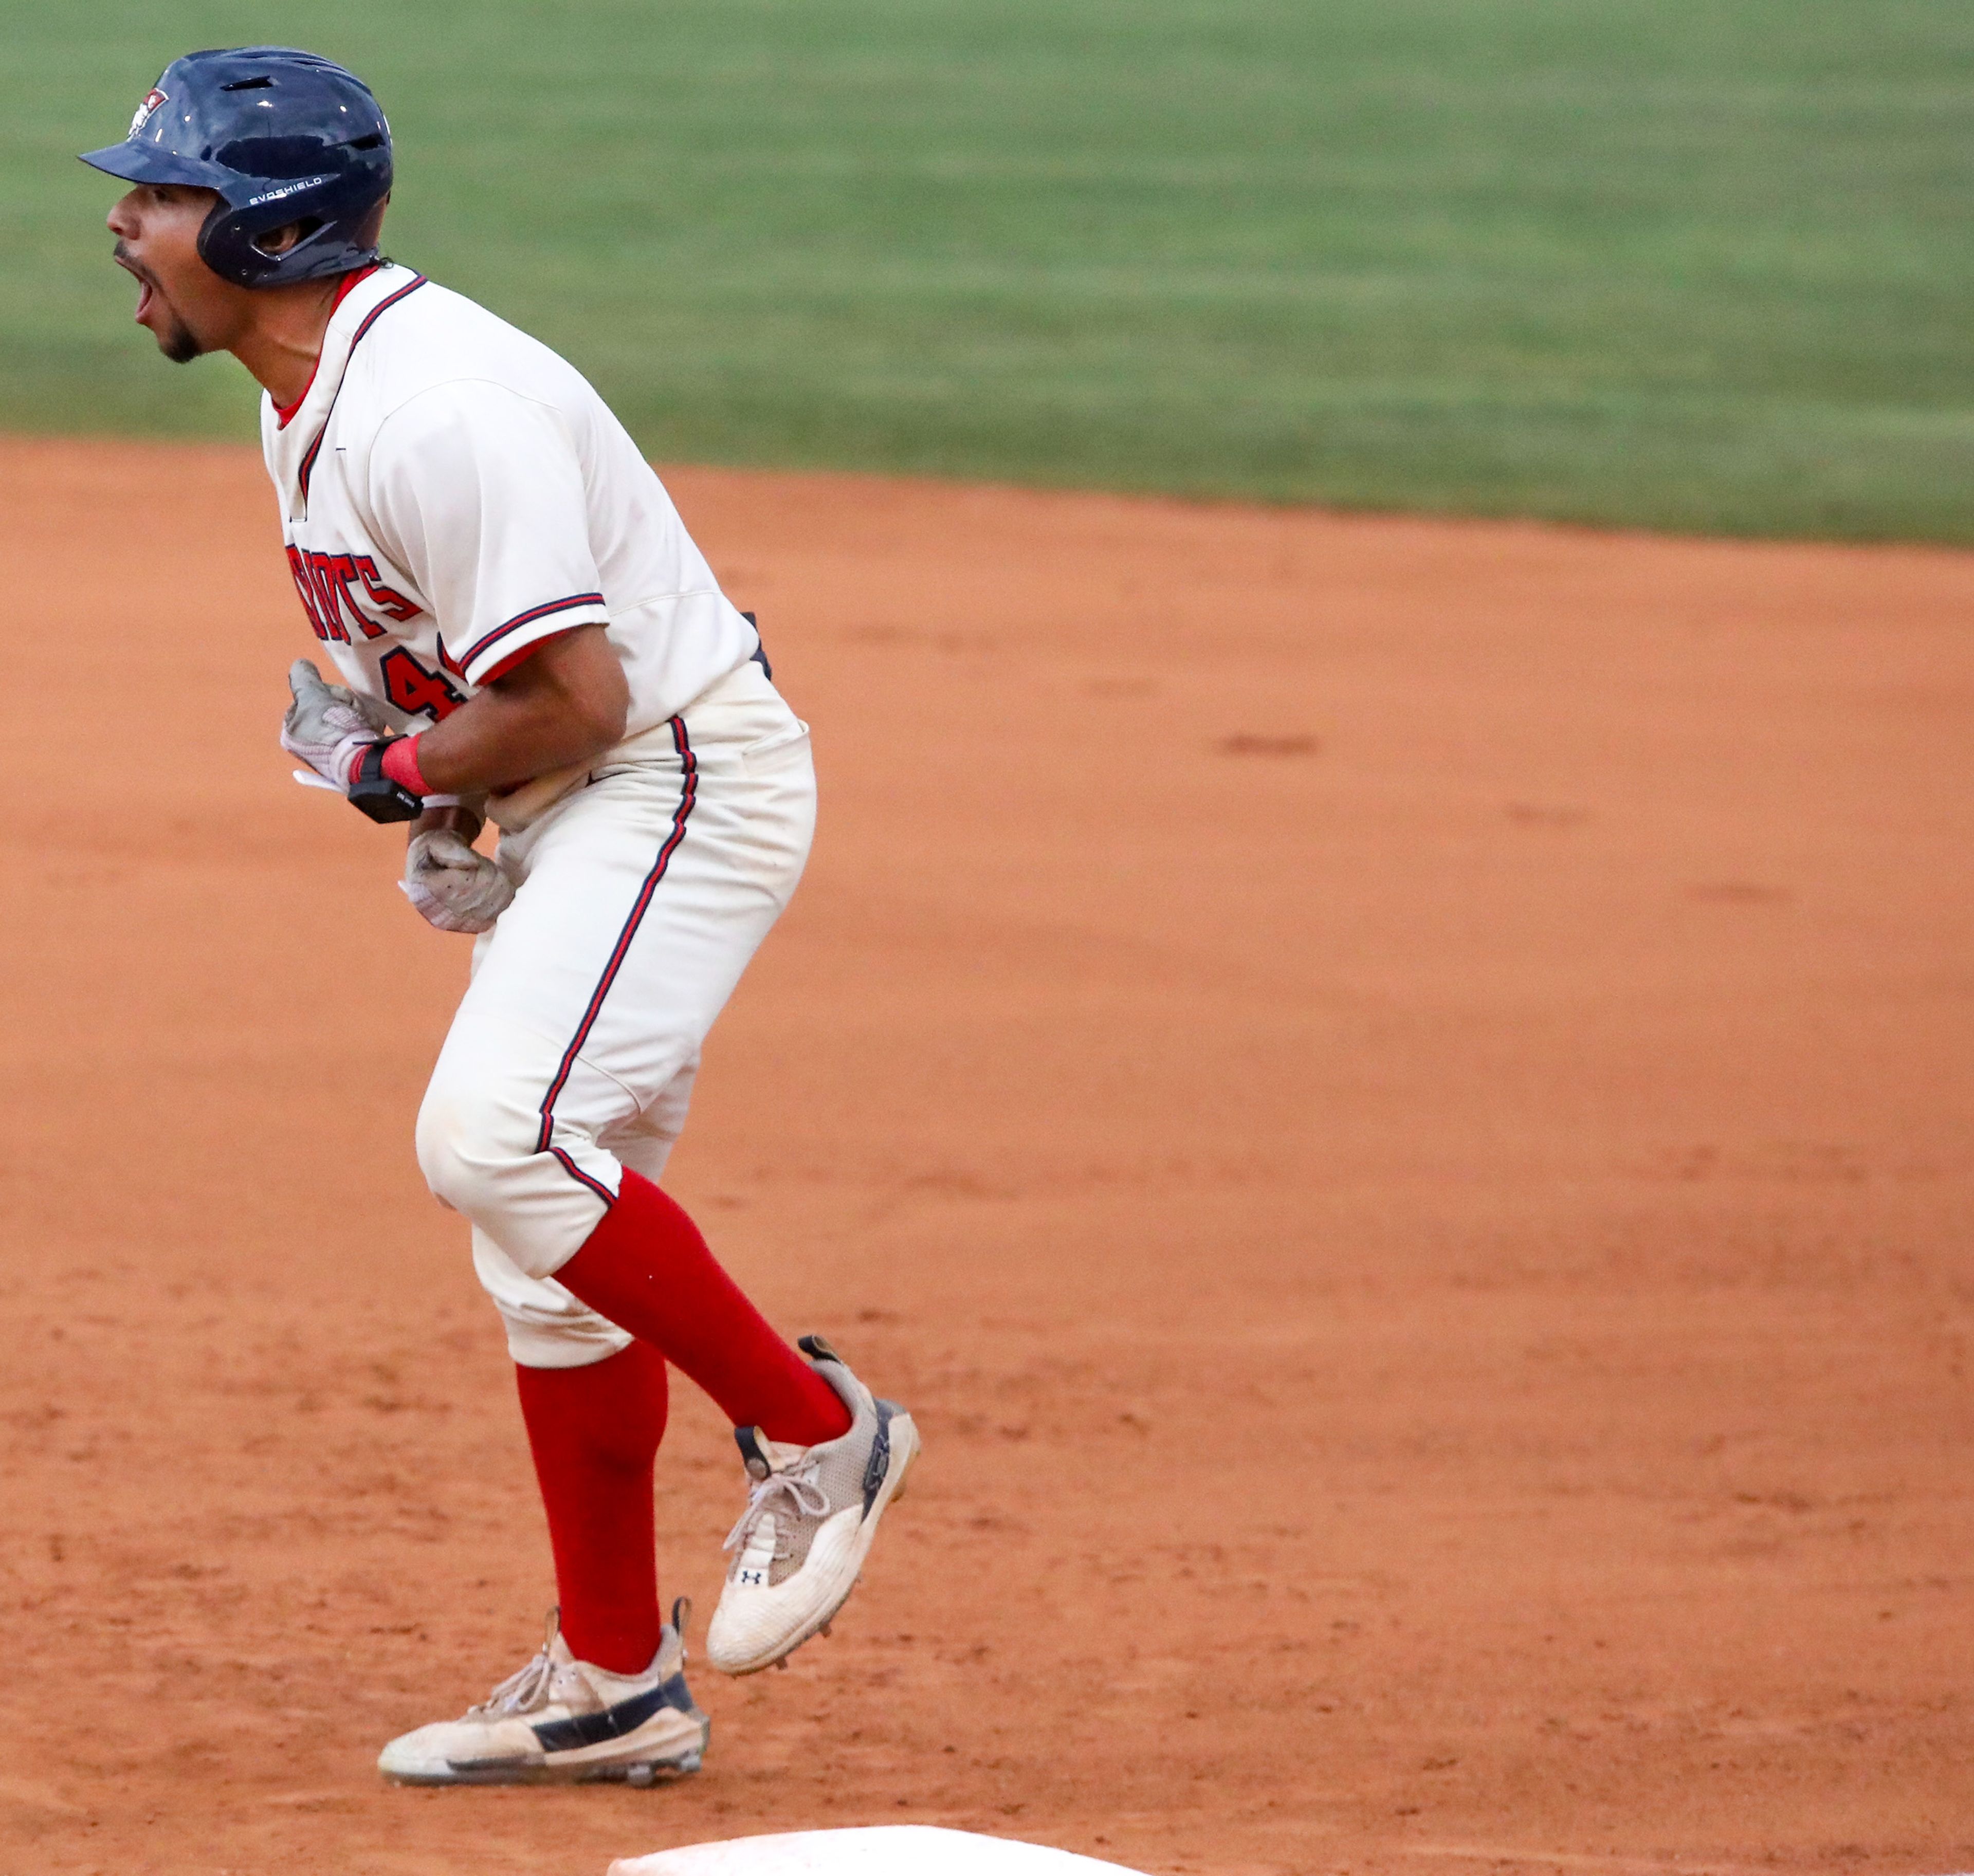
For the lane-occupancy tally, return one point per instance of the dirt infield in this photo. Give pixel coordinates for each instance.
(1396, 1096)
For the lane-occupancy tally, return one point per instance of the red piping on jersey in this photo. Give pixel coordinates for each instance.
(515, 660)
(370, 320)
(473, 651)
(688, 792)
(284, 413)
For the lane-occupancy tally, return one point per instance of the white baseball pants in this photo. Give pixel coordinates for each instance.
(640, 897)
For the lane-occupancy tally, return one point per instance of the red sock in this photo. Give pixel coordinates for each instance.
(647, 1269)
(595, 1431)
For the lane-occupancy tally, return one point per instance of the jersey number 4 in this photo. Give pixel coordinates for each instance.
(409, 686)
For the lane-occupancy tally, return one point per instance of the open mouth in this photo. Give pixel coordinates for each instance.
(145, 291)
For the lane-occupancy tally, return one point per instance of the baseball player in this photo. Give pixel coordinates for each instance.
(525, 634)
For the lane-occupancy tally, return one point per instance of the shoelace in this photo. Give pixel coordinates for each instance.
(797, 1490)
(528, 1687)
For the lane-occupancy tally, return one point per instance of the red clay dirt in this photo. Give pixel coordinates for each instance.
(1396, 1096)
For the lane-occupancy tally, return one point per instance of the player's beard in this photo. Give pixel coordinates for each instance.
(176, 340)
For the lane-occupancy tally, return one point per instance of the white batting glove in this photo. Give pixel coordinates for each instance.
(453, 887)
(328, 727)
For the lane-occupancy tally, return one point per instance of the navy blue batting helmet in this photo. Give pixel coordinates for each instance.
(283, 136)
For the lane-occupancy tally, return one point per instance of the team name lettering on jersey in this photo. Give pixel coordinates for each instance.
(324, 581)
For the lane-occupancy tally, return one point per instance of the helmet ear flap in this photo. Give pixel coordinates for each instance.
(223, 247)
(231, 253)
(211, 242)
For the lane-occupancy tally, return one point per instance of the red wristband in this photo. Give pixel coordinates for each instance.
(400, 764)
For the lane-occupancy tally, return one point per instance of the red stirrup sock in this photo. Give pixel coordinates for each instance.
(595, 1431)
(647, 1269)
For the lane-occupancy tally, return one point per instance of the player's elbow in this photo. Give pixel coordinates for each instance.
(603, 716)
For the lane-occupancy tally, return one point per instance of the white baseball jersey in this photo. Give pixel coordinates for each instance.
(453, 493)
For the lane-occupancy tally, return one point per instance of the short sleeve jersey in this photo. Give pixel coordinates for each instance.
(453, 493)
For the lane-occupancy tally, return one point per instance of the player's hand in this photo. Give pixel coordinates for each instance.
(327, 727)
(453, 887)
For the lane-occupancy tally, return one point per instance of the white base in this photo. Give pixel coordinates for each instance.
(882, 1850)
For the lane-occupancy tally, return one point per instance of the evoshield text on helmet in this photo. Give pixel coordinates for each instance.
(283, 136)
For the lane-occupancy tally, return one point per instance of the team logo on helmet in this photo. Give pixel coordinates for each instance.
(152, 99)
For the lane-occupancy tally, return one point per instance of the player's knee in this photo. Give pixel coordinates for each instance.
(475, 1147)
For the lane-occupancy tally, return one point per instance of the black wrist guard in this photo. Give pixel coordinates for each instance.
(375, 793)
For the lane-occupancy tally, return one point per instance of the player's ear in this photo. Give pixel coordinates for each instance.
(279, 241)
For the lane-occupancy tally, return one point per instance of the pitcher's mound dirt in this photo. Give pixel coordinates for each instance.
(1396, 1096)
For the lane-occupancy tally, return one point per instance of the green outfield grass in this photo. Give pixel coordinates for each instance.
(1686, 263)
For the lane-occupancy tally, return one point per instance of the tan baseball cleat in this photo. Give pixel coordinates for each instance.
(560, 1720)
(811, 1516)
